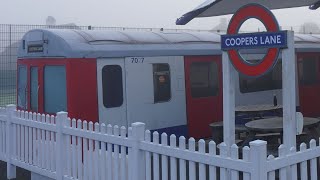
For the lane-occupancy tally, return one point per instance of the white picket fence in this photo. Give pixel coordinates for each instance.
(60, 148)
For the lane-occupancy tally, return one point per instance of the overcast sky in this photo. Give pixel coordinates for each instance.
(126, 13)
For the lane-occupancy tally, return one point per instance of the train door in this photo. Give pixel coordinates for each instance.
(156, 94)
(111, 91)
(309, 83)
(204, 93)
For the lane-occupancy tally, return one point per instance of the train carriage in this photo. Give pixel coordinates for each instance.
(170, 81)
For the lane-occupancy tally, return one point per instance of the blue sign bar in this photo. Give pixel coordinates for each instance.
(254, 40)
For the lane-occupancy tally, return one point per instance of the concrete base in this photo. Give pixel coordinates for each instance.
(35, 176)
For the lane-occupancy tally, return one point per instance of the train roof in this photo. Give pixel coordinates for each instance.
(91, 43)
(94, 44)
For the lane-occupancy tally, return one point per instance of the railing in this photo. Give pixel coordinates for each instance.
(61, 148)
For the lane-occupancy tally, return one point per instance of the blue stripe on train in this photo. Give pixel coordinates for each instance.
(183, 129)
(176, 130)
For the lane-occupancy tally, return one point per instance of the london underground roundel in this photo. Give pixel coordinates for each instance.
(273, 40)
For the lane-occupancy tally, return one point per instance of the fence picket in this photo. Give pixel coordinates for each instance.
(74, 151)
(224, 154)
(90, 152)
(212, 153)
(173, 160)
(103, 158)
(109, 154)
(30, 141)
(26, 139)
(39, 142)
(3, 136)
(19, 141)
(23, 139)
(148, 156)
(14, 145)
(246, 157)
(235, 156)
(2, 148)
(272, 174)
(202, 167)
(192, 165)
(52, 147)
(68, 149)
(43, 148)
(123, 161)
(23, 136)
(294, 168)
(96, 153)
(2, 142)
(182, 162)
(156, 173)
(79, 152)
(313, 162)
(47, 144)
(303, 165)
(164, 159)
(34, 141)
(116, 155)
(29, 144)
(283, 171)
(85, 153)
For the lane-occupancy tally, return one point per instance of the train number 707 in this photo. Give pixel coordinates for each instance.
(137, 60)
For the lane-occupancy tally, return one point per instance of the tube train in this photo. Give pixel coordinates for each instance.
(170, 81)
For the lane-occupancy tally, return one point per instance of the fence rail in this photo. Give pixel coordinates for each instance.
(61, 148)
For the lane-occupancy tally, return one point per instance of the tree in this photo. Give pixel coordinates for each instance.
(50, 21)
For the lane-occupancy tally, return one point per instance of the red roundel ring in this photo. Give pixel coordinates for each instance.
(261, 13)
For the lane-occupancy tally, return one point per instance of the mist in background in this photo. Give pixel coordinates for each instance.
(131, 13)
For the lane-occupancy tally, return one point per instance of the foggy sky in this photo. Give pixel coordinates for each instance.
(126, 13)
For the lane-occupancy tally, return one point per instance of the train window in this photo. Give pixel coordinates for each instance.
(269, 81)
(55, 89)
(308, 70)
(112, 86)
(34, 88)
(204, 79)
(22, 87)
(161, 83)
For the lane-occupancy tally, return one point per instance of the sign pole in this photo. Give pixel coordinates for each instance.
(228, 100)
(289, 92)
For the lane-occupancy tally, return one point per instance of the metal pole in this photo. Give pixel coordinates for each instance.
(228, 101)
(289, 93)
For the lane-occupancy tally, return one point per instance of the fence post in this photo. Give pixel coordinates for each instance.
(138, 159)
(60, 161)
(11, 169)
(258, 157)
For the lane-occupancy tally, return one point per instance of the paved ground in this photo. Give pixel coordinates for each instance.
(21, 173)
